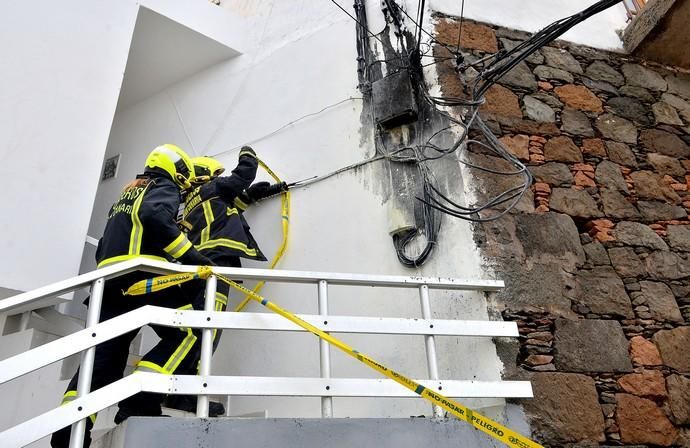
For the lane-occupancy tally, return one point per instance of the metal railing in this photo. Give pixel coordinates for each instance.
(204, 385)
(634, 7)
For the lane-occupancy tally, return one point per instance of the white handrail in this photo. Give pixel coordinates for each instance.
(85, 341)
(272, 275)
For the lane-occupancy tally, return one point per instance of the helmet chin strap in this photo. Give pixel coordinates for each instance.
(182, 181)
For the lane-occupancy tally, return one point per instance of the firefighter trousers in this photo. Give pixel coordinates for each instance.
(176, 345)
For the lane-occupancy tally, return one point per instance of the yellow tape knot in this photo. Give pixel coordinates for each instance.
(204, 272)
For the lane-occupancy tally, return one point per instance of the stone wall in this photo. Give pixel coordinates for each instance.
(596, 258)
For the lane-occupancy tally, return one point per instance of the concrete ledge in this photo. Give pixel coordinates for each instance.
(287, 432)
(644, 23)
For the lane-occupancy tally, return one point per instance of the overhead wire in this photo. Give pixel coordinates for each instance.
(463, 115)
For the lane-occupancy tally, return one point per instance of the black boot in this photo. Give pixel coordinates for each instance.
(187, 403)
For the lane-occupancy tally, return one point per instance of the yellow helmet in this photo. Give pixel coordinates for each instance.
(206, 169)
(173, 161)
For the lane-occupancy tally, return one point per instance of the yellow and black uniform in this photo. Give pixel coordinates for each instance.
(140, 223)
(214, 215)
(217, 227)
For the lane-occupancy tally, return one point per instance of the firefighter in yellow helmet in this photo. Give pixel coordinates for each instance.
(217, 227)
(142, 223)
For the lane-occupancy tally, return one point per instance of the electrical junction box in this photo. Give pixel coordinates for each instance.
(394, 102)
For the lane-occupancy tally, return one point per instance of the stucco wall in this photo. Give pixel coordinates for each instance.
(300, 61)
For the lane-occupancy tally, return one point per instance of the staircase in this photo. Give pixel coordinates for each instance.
(32, 372)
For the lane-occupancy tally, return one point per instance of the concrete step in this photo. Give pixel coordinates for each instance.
(153, 432)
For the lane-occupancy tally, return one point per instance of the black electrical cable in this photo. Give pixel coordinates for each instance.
(357, 21)
(434, 202)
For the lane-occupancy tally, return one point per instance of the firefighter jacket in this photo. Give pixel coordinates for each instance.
(141, 223)
(217, 228)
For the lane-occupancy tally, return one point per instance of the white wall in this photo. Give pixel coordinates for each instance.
(58, 95)
(63, 65)
(301, 58)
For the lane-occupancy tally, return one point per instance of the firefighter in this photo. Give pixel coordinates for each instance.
(142, 223)
(213, 213)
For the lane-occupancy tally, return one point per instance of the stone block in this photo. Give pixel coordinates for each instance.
(550, 237)
(616, 205)
(661, 301)
(579, 347)
(663, 265)
(674, 346)
(536, 288)
(551, 73)
(534, 58)
(520, 76)
(636, 234)
(665, 114)
(616, 128)
(500, 101)
(559, 58)
(638, 92)
(626, 262)
(596, 254)
(538, 111)
(564, 409)
(603, 72)
(475, 36)
(552, 173)
(621, 154)
(642, 421)
(579, 97)
(649, 185)
(518, 145)
(644, 352)
(666, 165)
(656, 140)
(636, 75)
(679, 84)
(653, 211)
(608, 174)
(562, 149)
(679, 398)
(576, 123)
(648, 384)
(679, 237)
(603, 292)
(630, 108)
(576, 203)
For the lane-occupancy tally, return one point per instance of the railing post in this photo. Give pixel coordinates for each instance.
(206, 345)
(87, 358)
(325, 350)
(430, 341)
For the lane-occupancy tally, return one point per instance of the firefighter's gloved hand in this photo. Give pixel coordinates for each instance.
(279, 187)
(193, 257)
(258, 191)
(247, 151)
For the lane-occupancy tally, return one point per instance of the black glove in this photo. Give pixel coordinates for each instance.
(261, 190)
(278, 188)
(258, 191)
(247, 151)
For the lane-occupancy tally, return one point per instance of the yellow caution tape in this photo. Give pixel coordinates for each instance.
(165, 281)
(485, 424)
(285, 224)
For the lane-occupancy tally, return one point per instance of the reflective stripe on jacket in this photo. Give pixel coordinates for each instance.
(142, 223)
